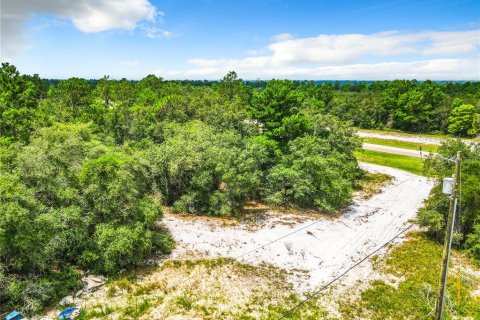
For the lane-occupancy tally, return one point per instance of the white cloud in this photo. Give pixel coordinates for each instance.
(130, 63)
(452, 42)
(421, 55)
(282, 37)
(347, 48)
(86, 16)
(256, 52)
(153, 32)
(434, 69)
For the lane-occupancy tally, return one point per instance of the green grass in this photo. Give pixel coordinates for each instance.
(185, 301)
(410, 164)
(402, 144)
(136, 309)
(414, 270)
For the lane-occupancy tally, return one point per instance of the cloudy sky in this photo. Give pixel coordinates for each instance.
(204, 39)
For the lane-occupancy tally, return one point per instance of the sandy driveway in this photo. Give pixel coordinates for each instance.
(317, 252)
(394, 150)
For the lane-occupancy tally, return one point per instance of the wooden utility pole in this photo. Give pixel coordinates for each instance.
(448, 240)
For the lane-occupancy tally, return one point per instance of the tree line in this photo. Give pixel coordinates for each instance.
(85, 169)
(86, 166)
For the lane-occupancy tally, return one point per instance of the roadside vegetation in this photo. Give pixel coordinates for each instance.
(410, 106)
(408, 286)
(372, 183)
(403, 134)
(413, 268)
(410, 164)
(434, 215)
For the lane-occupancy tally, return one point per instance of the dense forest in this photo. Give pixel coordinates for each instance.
(86, 166)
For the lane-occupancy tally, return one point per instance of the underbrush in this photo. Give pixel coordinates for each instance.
(33, 292)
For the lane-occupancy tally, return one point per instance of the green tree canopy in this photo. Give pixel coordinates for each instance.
(463, 120)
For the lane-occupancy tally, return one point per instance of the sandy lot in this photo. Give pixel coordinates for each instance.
(313, 249)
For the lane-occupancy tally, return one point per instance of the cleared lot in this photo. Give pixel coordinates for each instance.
(323, 247)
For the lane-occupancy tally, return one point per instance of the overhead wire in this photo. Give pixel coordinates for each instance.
(277, 239)
(317, 292)
(343, 273)
(309, 225)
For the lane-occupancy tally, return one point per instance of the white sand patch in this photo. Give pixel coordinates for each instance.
(323, 248)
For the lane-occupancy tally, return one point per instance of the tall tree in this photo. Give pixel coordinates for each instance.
(19, 95)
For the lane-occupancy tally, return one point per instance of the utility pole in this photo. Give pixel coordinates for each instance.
(448, 240)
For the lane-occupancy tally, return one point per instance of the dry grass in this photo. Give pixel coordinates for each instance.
(198, 289)
(372, 184)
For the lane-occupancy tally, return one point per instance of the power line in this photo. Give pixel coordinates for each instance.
(360, 235)
(344, 273)
(278, 239)
(275, 240)
(307, 226)
(396, 185)
(349, 269)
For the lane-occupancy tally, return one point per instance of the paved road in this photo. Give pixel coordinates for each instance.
(410, 138)
(400, 151)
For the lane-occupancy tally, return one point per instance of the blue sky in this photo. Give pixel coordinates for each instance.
(179, 39)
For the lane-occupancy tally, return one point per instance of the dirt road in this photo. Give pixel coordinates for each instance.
(315, 250)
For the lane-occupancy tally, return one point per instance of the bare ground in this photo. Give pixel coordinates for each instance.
(313, 249)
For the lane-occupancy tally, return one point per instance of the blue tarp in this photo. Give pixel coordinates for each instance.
(15, 315)
(65, 314)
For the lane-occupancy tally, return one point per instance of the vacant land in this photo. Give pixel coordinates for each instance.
(209, 278)
(311, 249)
(199, 289)
(402, 284)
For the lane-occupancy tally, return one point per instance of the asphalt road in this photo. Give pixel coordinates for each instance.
(400, 151)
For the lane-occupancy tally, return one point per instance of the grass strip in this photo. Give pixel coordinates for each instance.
(410, 164)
